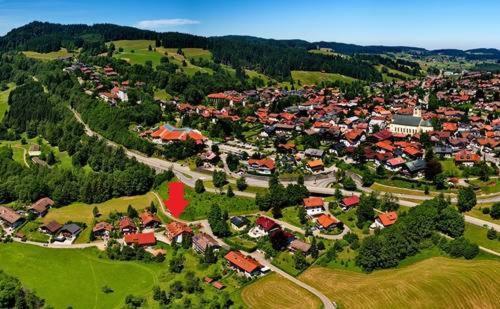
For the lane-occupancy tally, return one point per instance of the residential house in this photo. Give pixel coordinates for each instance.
(102, 228)
(70, 230)
(266, 225)
(41, 206)
(299, 245)
(176, 231)
(51, 228)
(314, 153)
(127, 226)
(261, 166)
(314, 206)
(349, 202)
(414, 167)
(385, 219)
(243, 264)
(326, 222)
(467, 158)
(149, 220)
(9, 217)
(315, 165)
(395, 164)
(140, 239)
(203, 241)
(239, 223)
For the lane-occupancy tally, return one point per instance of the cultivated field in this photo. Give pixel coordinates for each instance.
(433, 283)
(274, 291)
(47, 56)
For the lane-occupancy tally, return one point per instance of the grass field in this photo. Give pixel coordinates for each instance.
(199, 204)
(80, 212)
(74, 277)
(137, 52)
(273, 291)
(47, 56)
(310, 77)
(432, 283)
(477, 234)
(450, 168)
(30, 229)
(4, 97)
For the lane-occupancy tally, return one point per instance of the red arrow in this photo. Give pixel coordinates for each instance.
(176, 202)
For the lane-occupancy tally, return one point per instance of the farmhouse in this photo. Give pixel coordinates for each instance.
(149, 220)
(243, 264)
(9, 217)
(314, 206)
(102, 229)
(41, 206)
(175, 231)
(127, 226)
(140, 239)
(70, 230)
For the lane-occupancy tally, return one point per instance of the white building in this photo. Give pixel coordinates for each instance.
(410, 124)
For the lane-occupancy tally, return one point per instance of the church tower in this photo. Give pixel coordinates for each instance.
(417, 112)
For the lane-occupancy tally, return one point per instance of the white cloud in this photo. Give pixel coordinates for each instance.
(156, 24)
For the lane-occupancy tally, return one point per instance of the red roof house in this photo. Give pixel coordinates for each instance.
(140, 239)
(350, 201)
(246, 264)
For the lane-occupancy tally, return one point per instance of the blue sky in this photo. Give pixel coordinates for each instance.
(425, 23)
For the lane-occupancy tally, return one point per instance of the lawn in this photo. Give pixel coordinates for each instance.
(199, 204)
(488, 187)
(162, 94)
(30, 229)
(63, 52)
(450, 168)
(4, 97)
(313, 77)
(457, 284)
(285, 261)
(241, 243)
(273, 291)
(74, 277)
(477, 234)
(80, 212)
(290, 215)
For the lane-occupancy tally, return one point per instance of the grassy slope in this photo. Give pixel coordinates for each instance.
(273, 291)
(47, 56)
(80, 212)
(136, 52)
(4, 97)
(75, 277)
(474, 284)
(310, 77)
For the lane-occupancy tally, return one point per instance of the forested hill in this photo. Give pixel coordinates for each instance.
(275, 58)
